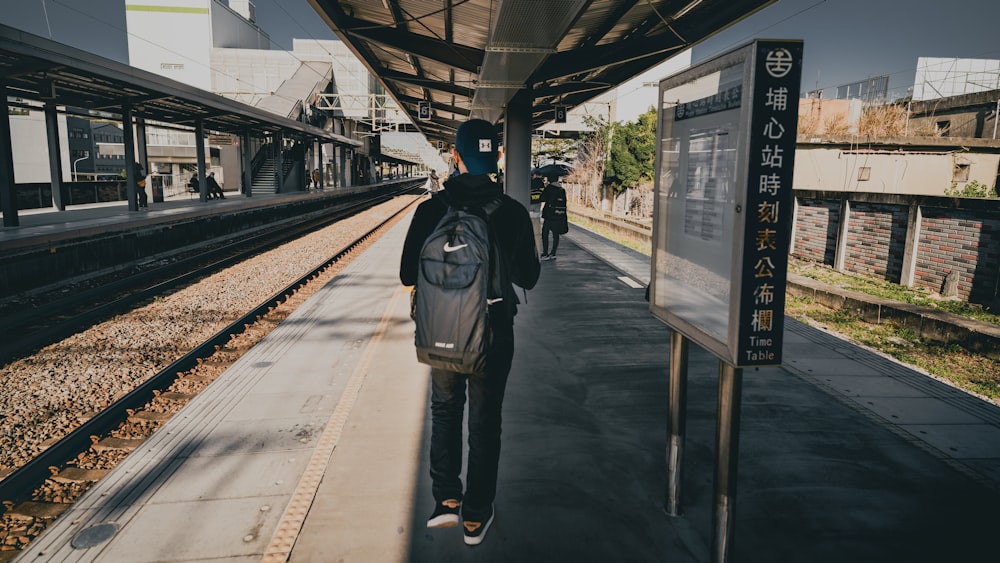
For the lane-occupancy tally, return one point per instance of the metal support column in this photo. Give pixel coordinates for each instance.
(279, 165)
(8, 196)
(199, 149)
(727, 453)
(307, 156)
(140, 142)
(319, 164)
(677, 415)
(342, 168)
(130, 158)
(517, 148)
(140, 146)
(247, 163)
(55, 155)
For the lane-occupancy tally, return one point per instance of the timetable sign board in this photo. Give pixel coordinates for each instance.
(723, 200)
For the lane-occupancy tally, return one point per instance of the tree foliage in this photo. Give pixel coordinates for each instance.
(633, 152)
(552, 150)
(970, 189)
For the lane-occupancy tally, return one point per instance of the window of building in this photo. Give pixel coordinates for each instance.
(943, 128)
(864, 173)
(960, 173)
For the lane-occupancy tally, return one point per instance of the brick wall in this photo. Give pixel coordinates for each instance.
(955, 234)
(876, 240)
(816, 230)
(962, 241)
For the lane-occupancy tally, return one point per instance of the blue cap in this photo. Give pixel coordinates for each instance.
(478, 144)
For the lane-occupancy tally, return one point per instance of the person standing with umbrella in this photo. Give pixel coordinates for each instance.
(554, 218)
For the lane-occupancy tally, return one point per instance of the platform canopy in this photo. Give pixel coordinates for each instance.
(468, 58)
(40, 70)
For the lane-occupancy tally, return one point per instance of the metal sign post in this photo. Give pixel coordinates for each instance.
(721, 232)
(678, 420)
(727, 454)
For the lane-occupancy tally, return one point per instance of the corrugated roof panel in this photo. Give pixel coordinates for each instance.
(424, 17)
(472, 21)
(529, 23)
(368, 10)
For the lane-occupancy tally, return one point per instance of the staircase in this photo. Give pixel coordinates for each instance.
(263, 179)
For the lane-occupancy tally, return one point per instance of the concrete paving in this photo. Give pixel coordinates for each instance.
(845, 456)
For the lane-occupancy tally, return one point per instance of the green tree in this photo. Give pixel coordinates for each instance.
(970, 189)
(633, 152)
(551, 150)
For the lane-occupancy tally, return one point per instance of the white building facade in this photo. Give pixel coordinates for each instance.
(176, 38)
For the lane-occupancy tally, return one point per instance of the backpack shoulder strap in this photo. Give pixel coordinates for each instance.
(491, 206)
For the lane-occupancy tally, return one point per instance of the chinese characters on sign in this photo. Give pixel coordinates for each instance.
(769, 206)
(725, 100)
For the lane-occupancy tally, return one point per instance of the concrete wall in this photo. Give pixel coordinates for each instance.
(172, 38)
(231, 29)
(965, 116)
(817, 114)
(30, 149)
(892, 169)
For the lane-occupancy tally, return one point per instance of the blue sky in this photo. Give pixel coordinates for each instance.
(845, 40)
(850, 40)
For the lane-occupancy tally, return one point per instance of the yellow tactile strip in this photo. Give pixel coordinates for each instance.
(280, 546)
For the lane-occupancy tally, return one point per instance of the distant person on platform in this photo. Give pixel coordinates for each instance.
(315, 179)
(214, 189)
(554, 219)
(140, 187)
(537, 187)
(432, 181)
(194, 186)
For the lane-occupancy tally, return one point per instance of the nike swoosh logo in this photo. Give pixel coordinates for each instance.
(449, 248)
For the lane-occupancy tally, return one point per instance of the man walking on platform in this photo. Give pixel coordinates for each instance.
(510, 228)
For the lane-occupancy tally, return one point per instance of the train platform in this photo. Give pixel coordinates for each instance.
(313, 446)
(48, 225)
(51, 247)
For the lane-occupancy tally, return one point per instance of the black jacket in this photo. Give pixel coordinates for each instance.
(511, 223)
(550, 196)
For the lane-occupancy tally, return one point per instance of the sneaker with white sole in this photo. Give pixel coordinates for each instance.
(476, 531)
(445, 514)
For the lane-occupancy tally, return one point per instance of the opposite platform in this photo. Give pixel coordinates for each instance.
(844, 455)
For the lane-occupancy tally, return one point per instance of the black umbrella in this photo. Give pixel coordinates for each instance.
(557, 169)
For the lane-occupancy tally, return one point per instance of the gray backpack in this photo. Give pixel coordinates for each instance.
(457, 282)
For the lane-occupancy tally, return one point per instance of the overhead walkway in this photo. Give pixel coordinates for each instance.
(287, 99)
(313, 446)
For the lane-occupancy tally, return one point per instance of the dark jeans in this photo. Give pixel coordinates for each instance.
(143, 199)
(486, 393)
(546, 229)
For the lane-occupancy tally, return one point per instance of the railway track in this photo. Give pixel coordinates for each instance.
(36, 492)
(60, 314)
